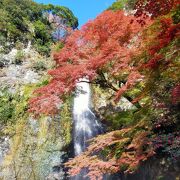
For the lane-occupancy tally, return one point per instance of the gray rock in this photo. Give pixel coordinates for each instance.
(4, 147)
(56, 176)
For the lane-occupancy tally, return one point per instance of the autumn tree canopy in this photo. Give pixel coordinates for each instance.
(135, 58)
(102, 51)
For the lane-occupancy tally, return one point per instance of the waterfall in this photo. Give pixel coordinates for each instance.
(86, 125)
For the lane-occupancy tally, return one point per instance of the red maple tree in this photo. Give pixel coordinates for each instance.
(101, 50)
(108, 51)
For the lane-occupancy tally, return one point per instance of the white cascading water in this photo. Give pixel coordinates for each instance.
(86, 125)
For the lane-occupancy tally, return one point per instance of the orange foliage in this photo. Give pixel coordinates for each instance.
(133, 142)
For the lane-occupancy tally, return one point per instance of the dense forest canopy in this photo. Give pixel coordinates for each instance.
(25, 20)
(137, 57)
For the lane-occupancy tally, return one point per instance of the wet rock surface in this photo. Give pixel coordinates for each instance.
(14, 74)
(35, 144)
(4, 147)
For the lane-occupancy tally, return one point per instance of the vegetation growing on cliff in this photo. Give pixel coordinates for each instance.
(38, 144)
(31, 148)
(25, 20)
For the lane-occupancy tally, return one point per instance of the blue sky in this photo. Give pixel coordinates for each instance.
(83, 9)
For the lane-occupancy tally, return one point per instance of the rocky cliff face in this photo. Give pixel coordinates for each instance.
(112, 115)
(21, 67)
(30, 148)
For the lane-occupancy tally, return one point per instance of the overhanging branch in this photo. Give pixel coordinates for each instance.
(103, 82)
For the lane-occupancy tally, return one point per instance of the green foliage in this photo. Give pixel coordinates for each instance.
(19, 45)
(5, 48)
(42, 64)
(43, 82)
(41, 32)
(120, 119)
(19, 57)
(121, 4)
(66, 121)
(160, 177)
(7, 106)
(39, 66)
(58, 46)
(176, 15)
(26, 20)
(14, 106)
(118, 5)
(43, 49)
